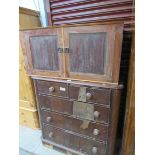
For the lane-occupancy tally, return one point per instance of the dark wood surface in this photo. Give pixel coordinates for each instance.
(56, 113)
(60, 89)
(76, 142)
(100, 96)
(128, 143)
(75, 125)
(44, 52)
(66, 107)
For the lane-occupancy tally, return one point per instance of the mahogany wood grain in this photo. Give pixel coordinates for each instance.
(75, 125)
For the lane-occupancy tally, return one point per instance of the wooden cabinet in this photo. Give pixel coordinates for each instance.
(90, 53)
(75, 70)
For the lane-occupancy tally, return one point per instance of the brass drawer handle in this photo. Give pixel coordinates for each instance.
(95, 132)
(50, 134)
(96, 114)
(49, 119)
(89, 96)
(51, 89)
(94, 150)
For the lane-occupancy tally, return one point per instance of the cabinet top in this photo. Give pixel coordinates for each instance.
(76, 82)
(75, 25)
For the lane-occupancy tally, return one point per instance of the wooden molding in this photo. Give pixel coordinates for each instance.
(28, 11)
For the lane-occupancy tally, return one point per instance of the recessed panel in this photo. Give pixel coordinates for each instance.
(87, 52)
(44, 52)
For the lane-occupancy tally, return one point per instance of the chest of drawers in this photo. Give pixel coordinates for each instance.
(75, 72)
(83, 125)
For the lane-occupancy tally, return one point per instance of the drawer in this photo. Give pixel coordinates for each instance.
(65, 139)
(93, 94)
(52, 88)
(101, 113)
(87, 128)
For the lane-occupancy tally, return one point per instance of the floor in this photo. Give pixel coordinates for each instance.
(30, 143)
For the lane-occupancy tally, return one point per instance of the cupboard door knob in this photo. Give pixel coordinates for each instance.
(95, 132)
(48, 119)
(50, 134)
(89, 96)
(94, 150)
(51, 89)
(96, 114)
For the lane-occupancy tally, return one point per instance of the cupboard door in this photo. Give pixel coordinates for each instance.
(94, 52)
(40, 48)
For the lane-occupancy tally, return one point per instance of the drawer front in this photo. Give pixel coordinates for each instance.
(101, 114)
(52, 88)
(87, 128)
(95, 95)
(78, 143)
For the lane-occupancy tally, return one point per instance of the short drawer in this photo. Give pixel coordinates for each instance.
(93, 94)
(97, 131)
(101, 113)
(52, 88)
(80, 144)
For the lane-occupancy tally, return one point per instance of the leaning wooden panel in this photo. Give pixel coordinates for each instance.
(28, 117)
(27, 19)
(128, 144)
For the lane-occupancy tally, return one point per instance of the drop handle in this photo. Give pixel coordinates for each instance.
(51, 89)
(50, 134)
(49, 119)
(88, 96)
(94, 150)
(96, 114)
(95, 132)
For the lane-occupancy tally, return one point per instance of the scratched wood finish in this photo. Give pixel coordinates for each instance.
(75, 125)
(64, 123)
(43, 88)
(80, 144)
(100, 46)
(66, 107)
(44, 52)
(99, 95)
(40, 48)
(89, 57)
(94, 61)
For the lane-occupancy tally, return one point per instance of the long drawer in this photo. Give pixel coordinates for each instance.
(67, 139)
(95, 130)
(101, 113)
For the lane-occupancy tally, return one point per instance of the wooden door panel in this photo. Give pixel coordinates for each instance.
(44, 52)
(40, 47)
(92, 51)
(86, 49)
